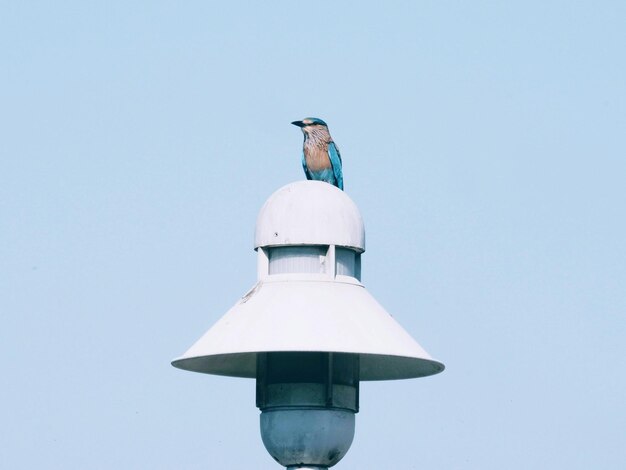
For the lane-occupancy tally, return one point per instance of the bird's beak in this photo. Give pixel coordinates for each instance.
(298, 123)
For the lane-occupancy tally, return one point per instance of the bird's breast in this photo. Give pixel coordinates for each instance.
(317, 158)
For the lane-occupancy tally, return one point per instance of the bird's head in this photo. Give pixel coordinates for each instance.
(309, 123)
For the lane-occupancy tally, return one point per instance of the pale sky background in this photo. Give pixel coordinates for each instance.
(484, 143)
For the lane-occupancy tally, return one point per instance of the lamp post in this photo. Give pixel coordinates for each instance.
(308, 331)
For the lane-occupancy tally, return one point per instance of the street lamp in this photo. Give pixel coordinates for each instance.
(308, 331)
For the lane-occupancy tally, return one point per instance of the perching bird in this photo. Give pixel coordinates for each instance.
(320, 156)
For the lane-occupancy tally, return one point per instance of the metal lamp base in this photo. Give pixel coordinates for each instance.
(307, 438)
(308, 467)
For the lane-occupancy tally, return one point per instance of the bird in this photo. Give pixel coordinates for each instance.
(321, 159)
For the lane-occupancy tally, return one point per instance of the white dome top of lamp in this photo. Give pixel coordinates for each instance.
(310, 213)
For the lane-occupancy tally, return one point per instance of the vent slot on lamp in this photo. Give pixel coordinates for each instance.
(315, 259)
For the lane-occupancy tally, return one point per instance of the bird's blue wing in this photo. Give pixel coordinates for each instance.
(335, 161)
(305, 168)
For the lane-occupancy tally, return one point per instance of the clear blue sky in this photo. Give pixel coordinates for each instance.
(484, 143)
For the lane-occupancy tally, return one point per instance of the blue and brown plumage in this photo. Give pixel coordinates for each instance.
(320, 156)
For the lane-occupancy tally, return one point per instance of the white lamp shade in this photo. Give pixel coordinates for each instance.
(309, 315)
